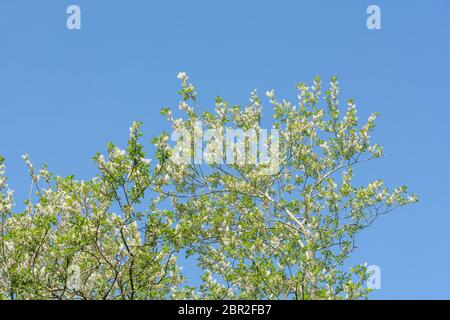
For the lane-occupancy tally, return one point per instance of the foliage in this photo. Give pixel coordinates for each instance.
(284, 235)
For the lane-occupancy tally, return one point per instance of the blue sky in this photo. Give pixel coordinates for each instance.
(64, 94)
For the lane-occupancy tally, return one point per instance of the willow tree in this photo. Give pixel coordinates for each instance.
(270, 216)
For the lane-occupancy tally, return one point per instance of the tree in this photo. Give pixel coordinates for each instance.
(278, 229)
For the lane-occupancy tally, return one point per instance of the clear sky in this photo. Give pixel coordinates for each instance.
(65, 93)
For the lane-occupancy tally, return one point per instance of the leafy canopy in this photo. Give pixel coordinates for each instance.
(283, 235)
